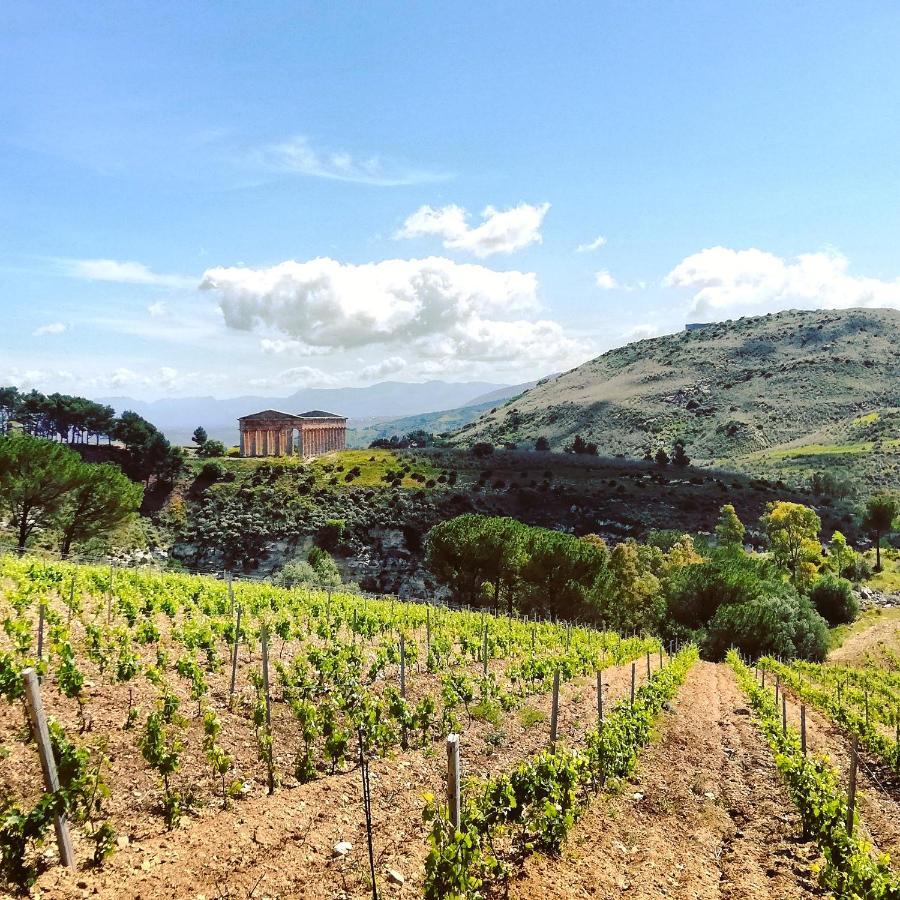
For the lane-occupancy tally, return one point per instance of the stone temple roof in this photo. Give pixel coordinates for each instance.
(277, 414)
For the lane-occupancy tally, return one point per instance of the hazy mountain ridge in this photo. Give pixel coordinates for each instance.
(178, 417)
(728, 390)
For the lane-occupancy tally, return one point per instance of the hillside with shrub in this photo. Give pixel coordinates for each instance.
(783, 395)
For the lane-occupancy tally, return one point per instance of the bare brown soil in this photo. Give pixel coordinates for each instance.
(706, 816)
(867, 644)
(283, 846)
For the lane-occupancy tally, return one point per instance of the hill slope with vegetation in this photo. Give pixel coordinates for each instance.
(789, 393)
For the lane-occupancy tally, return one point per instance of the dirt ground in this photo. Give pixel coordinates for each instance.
(283, 846)
(705, 816)
(882, 633)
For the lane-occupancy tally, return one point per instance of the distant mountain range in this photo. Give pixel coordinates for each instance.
(178, 417)
(361, 433)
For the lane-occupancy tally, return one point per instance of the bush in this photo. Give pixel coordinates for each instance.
(211, 448)
(482, 449)
(859, 569)
(834, 600)
(782, 626)
(295, 573)
(213, 471)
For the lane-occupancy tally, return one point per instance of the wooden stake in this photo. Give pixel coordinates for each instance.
(554, 709)
(783, 713)
(851, 794)
(234, 654)
(660, 657)
(48, 765)
(600, 696)
(427, 632)
(803, 728)
(648, 665)
(633, 672)
(402, 665)
(40, 634)
(265, 674)
(484, 652)
(453, 779)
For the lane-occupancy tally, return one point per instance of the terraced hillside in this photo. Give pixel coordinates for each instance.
(789, 392)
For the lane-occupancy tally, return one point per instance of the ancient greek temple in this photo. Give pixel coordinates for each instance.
(274, 433)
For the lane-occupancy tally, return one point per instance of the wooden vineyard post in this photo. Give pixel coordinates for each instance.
(427, 633)
(402, 665)
(554, 709)
(851, 793)
(453, 779)
(234, 655)
(783, 713)
(777, 689)
(71, 598)
(40, 634)
(764, 678)
(353, 629)
(367, 810)
(229, 580)
(484, 652)
(532, 637)
(660, 657)
(600, 696)
(633, 672)
(265, 674)
(803, 728)
(48, 764)
(648, 666)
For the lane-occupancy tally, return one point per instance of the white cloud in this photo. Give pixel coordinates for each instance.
(641, 332)
(122, 272)
(50, 328)
(390, 366)
(721, 279)
(157, 309)
(296, 155)
(605, 280)
(297, 377)
(290, 346)
(596, 244)
(501, 231)
(436, 307)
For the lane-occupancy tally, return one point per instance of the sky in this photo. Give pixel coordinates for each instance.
(222, 199)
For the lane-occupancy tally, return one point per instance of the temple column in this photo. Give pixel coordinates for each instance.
(241, 441)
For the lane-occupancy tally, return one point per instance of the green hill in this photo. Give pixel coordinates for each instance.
(788, 394)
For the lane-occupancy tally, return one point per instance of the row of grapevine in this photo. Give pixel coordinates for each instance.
(336, 661)
(851, 870)
(851, 707)
(535, 805)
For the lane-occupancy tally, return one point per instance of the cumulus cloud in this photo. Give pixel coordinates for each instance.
(436, 306)
(290, 346)
(641, 332)
(390, 366)
(501, 231)
(595, 244)
(724, 280)
(50, 328)
(297, 155)
(122, 272)
(605, 281)
(157, 309)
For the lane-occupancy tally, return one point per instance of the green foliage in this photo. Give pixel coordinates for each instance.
(879, 520)
(850, 870)
(199, 437)
(833, 599)
(793, 533)
(730, 530)
(540, 799)
(210, 448)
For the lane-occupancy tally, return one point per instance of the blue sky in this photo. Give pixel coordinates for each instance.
(229, 198)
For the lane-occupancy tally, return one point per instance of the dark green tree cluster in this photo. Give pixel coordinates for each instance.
(417, 438)
(59, 417)
(45, 486)
(75, 420)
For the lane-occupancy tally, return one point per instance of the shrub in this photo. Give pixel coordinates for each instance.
(211, 448)
(213, 471)
(482, 449)
(295, 573)
(834, 600)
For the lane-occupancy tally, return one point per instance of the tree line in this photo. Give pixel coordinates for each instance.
(76, 420)
(715, 593)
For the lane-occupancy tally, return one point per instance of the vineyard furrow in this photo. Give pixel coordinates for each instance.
(285, 844)
(705, 816)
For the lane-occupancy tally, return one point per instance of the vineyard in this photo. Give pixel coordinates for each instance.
(236, 739)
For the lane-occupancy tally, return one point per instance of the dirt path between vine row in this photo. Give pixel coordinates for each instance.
(878, 797)
(283, 846)
(705, 816)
